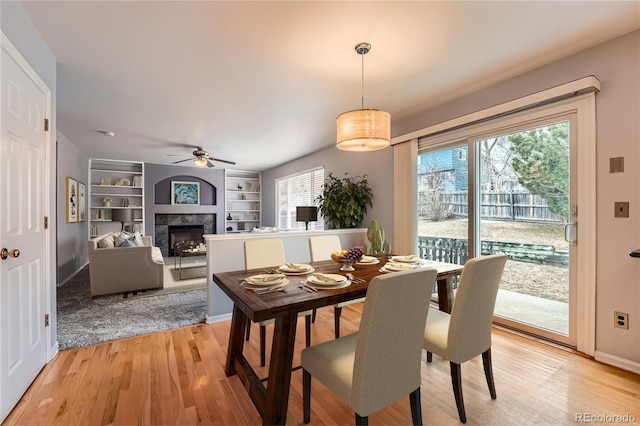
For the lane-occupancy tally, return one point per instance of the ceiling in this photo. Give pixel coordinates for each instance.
(262, 82)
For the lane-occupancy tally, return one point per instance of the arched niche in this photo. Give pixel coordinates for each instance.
(162, 190)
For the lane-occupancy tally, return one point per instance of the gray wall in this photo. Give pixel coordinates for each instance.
(156, 173)
(377, 165)
(72, 237)
(17, 26)
(617, 65)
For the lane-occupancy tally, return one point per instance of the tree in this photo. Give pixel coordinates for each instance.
(541, 160)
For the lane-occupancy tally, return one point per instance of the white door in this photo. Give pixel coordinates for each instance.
(23, 292)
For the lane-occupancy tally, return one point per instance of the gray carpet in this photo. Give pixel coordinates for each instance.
(85, 321)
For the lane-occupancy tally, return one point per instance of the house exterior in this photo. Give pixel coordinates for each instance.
(616, 63)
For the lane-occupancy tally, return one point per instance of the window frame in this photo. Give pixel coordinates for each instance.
(316, 183)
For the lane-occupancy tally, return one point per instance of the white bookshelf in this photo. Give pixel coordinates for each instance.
(243, 201)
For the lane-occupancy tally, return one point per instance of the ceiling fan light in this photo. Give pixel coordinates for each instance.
(201, 162)
(363, 130)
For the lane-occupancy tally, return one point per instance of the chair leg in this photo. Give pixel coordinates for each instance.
(488, 372)
(306, 396)
(456, 380)
(263, 349)
(362, 420)
(248, 329)
(313, 315)
(336, 319)
(307, 329)
(429, 356)
(416, 407)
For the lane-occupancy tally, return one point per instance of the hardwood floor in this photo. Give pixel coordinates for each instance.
(177, 377)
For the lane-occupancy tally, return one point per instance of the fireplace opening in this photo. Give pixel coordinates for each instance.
(184, 236)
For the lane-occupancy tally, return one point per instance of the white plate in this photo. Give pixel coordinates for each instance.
(339, 279)
(265, 280)
(249, 286)
(406, 259)
(368, 260)
(294, 271)
(398, 267)
(346, 283)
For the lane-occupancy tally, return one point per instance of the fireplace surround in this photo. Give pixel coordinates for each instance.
(164, 221)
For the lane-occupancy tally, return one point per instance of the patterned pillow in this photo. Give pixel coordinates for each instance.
(106, 242)
(125, 239)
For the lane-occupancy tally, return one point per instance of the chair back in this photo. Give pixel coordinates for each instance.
(389, 343)
(321, 246)
(472, 311)
(263, 253)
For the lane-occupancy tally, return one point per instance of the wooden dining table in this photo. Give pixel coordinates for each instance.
(283, 306)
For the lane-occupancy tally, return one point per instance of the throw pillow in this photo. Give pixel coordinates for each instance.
(106, 242)
(138, 238)
(124, 240)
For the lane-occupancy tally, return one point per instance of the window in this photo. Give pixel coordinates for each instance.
(298, 190)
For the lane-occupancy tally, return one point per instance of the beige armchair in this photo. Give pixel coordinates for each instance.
(121, 269)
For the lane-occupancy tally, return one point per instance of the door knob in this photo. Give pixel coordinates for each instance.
(4, 253)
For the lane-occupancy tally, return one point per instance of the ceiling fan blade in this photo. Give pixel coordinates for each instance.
(222, 161)
(209, 163)
(182, 161)
(175, 155)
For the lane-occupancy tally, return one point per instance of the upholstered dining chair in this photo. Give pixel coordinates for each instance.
(266, 253)
(320, 248)
(380, 364)
(466, 332)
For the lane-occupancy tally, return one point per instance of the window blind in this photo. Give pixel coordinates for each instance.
(298, 190)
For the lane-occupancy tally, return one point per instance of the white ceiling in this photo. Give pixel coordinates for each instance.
(261, 82)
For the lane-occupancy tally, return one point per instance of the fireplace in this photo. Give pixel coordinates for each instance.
(204, 224)
(184, 236)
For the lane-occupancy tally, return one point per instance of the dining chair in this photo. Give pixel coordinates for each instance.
(466, 332)
(321, 248)
(267, 253)
(380, 364)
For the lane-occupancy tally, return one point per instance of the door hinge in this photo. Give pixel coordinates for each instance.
(46, 222)
(46, 320)
(46, 124)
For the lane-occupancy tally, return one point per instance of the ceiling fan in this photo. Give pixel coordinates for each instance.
(202, 158)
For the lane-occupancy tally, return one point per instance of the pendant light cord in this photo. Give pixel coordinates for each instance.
(362, 89)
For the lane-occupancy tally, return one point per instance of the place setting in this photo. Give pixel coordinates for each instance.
(265, 283)
(401, 263)
(326, 281)
(290, 268)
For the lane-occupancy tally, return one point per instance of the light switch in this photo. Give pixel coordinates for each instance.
(622, 209)
(616, 165)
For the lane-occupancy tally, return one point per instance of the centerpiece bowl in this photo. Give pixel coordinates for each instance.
(348, 258)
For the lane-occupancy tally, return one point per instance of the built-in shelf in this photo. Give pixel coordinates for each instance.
(243, 201)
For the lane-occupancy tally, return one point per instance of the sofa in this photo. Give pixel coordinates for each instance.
(120, 269)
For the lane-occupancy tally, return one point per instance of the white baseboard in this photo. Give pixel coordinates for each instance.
(53, 351)
(73, 275)
(217, 318)
(616, 361)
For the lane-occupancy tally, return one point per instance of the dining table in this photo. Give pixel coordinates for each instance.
(283, 306)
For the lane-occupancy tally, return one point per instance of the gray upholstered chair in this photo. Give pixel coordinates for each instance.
(320, 248)
(466, 332)
(380, 364)
(267, 253)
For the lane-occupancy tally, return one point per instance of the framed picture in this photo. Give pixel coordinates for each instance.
(82, 203)
(72, 200)
(185, 192)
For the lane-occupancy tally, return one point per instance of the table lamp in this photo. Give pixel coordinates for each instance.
(122, 216)
(306, 214)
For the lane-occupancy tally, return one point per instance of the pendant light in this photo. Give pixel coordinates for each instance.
(363, 129)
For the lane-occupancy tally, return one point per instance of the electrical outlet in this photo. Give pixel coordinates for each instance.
(621, 209)
(621, 320)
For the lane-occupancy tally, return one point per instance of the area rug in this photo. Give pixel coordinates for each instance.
(83, 320)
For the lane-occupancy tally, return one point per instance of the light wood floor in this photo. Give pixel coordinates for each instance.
(176, 377)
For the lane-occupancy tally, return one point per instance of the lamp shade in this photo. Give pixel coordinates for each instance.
(122, 215)
(306, 214)
(363, 130)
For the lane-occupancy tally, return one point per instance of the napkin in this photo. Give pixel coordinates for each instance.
(267, 278)
(408, 258)
(399, 266)
(326, 279)
(367, 259)
(295, 266)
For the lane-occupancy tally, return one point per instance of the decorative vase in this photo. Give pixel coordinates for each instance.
(229, 217)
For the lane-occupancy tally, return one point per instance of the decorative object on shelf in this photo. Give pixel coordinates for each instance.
(125, 182)
(236, 217)
(229, 229)
(82, 202)
(137, 181)
(306, 214)
(125, 202)
(375, 235)
(229, 217)
(243, 196)
(363, 129)
(117, 182)
(106, 202)
(123, 216)
(105, 181)
(248, 186)
(72, 200)
(185, 193)
(343, 202)
(239, 187)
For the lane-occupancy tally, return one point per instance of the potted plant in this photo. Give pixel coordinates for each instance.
(343, 202)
